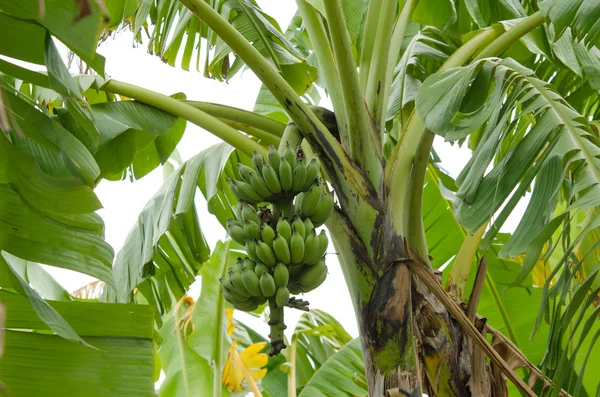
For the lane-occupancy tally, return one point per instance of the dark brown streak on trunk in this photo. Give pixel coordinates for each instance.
(388, 323)
(477, 288)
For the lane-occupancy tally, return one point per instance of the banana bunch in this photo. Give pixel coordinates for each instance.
(280, 204)
(276, 177)
(250, 284)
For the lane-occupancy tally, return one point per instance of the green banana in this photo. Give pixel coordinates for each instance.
(323, 211)
(251, 229)
(295, 270)
(298, 203)
(271, 178)
(294, 288)
(299, 176)
(237, 210)
(259, 185)
(281, 274)
(228, 291)
(257, 161)
(235, 278)
(284, 229)
(282, 249)
(313, 276)
(249, 264)
(244, 172)
(289, 155)
(236, 231)
(311, 248)
(267, 285)
(244, 191)
(308, 225)
(251, 250)
(260, 269)
(282, 296)
(267, 234)
(296, 247)
(239, 265)
(251, 282)
(285, 175)
(323, 243)
(273, 158)
(248, 212)
(311, 200)
(299, 226)
(312, 171)
(265, 254)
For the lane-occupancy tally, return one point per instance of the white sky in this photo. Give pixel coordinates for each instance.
(123, 201)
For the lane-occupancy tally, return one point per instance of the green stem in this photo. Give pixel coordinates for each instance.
(285, 206)
(187, 112)
(255, 120)
(275, 83)
(392, 60)
(292, 367)
(462, 264)
(502, 43)
(318, 38)
(379, 61)
(263, 38)
(276, 326)
(498, 300)
(362, 141)
(265, 138)
(218, 365)
(370, 33)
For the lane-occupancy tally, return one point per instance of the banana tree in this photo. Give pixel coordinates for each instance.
(516, 81)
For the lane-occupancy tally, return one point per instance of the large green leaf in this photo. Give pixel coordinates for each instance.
(38, 363)
(581, 16)
(341, 375)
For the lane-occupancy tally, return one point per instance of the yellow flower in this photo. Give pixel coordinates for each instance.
(245, 365)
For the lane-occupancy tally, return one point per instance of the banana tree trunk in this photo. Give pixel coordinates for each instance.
(410, 343)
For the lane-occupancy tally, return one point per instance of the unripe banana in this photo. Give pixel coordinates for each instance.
(267, 234)
(312, 171)
(299, 176)
(296, 247)
(299, 226)
(228, 291)
(244, 172)
(251, 229)
(311, 199)
(323, 210)
(282, 249)
(295, 270)
(281, 274)
(298, 203)
(244, 191)
(285, 175)
(273, 158)
(265, 254)
(267, 285)
(323, 243)
(282, 296)
(289, 155)
(260, 269)
(236, 281)
(284, 229)
(248, 212)
(259, 185)
(257, 161)
(249, 264)
(294, 288)
(320, 278)
(251, 250)
(308, 225)
(236, 231)
(313, 276)
(239, 265)
(271, 178)
(251, 282)
(238, 208)
(311, 248)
